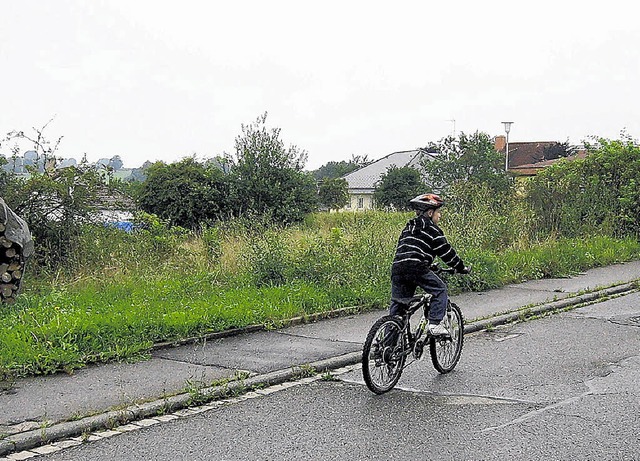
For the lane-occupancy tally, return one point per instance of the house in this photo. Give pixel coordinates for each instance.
(528, 158)
(532, 169)
(362, 183)
(523, 153)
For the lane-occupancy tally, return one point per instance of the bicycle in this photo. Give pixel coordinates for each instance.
(391, 340)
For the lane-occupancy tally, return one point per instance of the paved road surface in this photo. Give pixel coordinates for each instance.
(560, 387)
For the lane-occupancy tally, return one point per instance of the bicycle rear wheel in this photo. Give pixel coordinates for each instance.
(445, 352)
(383, 354)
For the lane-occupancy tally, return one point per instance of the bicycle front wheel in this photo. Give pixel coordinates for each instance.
(383, 354)
(445, 352)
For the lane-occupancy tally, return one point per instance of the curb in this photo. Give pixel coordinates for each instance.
(65, 430)
(68, 429)
(256, 328)
(527, 312)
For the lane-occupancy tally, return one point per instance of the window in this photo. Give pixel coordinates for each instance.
(360, 202)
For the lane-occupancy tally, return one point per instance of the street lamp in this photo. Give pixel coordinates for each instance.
(507, 128)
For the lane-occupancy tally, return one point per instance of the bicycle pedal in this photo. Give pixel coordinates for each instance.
(418, 349)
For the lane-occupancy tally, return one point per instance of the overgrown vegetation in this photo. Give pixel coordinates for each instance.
(120, 292)
(397, 186)
(600, 193)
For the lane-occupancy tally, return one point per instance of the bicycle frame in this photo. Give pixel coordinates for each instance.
(422, 301)
(391, 340)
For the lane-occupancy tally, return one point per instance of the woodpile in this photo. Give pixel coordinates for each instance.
(15, 248)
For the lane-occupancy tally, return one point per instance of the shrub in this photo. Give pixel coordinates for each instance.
(599, 194)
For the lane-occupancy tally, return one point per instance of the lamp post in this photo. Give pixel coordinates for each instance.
(507, 128)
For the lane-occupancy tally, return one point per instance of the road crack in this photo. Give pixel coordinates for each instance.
(535, 413)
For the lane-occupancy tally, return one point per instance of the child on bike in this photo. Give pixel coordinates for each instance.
(420, 242)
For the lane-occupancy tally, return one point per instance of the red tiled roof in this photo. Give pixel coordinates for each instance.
(526, 153)
(531, 169)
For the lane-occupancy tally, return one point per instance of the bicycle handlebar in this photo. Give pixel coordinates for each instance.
(449, 270)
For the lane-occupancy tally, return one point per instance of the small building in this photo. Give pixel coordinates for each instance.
(528, 158)
(362, 182)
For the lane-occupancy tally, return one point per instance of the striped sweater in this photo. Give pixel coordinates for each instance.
(420, 242)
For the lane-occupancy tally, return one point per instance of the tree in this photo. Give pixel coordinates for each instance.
(397, 186)
(558, 150)
(270, 176)
(468, 159)
(54, 203)
(186, 193)
(338, 169)
(333, 193)
(42, 152)
(332, 170)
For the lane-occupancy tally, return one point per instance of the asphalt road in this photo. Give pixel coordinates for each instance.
(560, 387)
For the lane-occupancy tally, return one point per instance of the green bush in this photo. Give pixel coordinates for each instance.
(599, 194)
(56, 205)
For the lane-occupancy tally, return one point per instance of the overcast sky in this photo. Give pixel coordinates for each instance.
(160, 80)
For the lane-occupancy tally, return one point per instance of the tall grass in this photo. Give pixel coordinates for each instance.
(127, 291)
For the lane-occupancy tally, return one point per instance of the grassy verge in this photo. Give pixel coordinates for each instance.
(221, 280)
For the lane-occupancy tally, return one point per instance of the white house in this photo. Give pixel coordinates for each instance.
(362, 182)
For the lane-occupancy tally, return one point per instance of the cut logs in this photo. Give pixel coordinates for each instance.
(11, 270)
(15, 248)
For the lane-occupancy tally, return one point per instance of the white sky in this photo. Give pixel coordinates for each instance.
(160, 80)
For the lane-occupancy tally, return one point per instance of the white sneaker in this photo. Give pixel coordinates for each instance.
(437, 329)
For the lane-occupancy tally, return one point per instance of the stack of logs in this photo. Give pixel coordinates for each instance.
(11, 267)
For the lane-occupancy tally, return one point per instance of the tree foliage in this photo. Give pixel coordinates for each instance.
(600, 193)
(42, 148)
(558, 150)
(332, 170)
(187, 193)
(333, 193)
(468, 159)
(56, 204)
(269, 176)
(397, 186)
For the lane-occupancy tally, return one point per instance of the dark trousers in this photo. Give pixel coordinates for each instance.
(403, 287)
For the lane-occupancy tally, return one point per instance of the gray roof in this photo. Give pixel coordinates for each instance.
(367, 176)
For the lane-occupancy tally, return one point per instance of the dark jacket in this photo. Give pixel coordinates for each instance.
(420, 242)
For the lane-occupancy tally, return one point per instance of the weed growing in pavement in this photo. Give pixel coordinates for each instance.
(44, 424)
(328, 376)
(303, 371)
(85, 435)
(195, 391)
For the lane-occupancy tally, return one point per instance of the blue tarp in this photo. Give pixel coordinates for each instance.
(126, 226)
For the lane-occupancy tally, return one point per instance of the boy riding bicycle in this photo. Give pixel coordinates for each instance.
(420, 242)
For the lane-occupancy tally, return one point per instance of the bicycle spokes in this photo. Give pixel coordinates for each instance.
(383, 355)
(445, 352)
